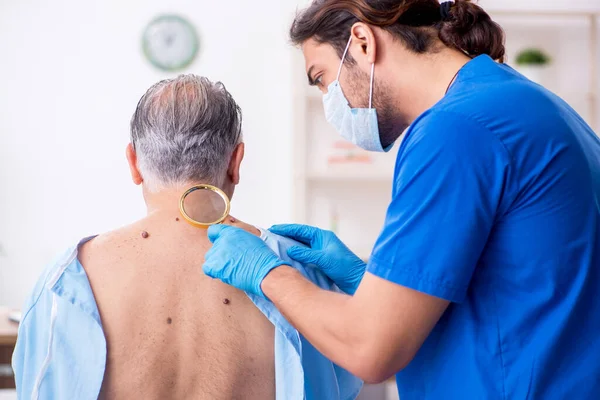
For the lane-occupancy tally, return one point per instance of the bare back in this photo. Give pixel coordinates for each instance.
(172, 332)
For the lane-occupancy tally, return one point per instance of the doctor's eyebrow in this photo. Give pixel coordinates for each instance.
(311, 81)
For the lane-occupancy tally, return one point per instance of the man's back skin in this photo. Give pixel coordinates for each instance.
(172, 332)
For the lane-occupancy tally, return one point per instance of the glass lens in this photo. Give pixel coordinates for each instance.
(204, 206)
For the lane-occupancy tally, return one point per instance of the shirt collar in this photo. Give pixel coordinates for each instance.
(71, 283)
(479, 66)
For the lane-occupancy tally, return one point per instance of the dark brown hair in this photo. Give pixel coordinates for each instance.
(466, 27)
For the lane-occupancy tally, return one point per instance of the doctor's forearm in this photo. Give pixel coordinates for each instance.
(329, 320)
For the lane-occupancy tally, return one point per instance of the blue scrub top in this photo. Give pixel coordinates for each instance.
(496, 208)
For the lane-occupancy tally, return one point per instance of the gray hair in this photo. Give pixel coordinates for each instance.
(184, 130)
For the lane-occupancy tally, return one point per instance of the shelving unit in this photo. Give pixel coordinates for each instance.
(351, 197)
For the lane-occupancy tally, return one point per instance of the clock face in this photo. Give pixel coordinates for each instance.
(170, 43)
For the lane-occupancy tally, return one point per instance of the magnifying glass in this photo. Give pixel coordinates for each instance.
(204, 205)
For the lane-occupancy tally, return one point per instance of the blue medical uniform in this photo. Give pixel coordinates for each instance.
(496, 208)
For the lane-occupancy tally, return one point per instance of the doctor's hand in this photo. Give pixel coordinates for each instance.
(239, 258)
(327, 252)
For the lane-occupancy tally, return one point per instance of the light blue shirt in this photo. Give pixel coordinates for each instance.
(61, 349)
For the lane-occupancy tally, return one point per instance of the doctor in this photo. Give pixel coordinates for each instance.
(484, 281)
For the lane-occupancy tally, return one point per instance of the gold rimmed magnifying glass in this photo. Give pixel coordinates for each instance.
(204, 205)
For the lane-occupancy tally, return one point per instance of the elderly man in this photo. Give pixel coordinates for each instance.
(129, 314)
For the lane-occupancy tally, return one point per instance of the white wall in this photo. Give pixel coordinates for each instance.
(71, 75)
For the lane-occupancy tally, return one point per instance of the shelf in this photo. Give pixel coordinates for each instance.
(541, 7)
(530, 22)
(542, 12)
(350, 176)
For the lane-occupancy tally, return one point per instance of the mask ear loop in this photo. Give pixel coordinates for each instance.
(371, 86)
(343, 58)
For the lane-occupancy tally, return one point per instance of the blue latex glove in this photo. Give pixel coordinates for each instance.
(326, 252)
(239, 258)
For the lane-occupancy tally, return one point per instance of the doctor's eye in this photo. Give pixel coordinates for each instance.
(319, 80)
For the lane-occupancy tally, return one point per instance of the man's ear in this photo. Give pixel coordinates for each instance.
(234, 164)
(132, 161)
(363, 37)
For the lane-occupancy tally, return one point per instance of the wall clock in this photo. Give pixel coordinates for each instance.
(170, 42)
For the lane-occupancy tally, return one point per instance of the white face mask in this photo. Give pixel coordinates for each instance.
(357, 125)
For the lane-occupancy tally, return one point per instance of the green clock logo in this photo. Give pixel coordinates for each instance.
(170, 42)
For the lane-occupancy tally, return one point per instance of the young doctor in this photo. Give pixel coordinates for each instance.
(484, 281)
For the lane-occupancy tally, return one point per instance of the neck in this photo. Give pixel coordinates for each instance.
(164, 205)
(424, 79)
(166, 201)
